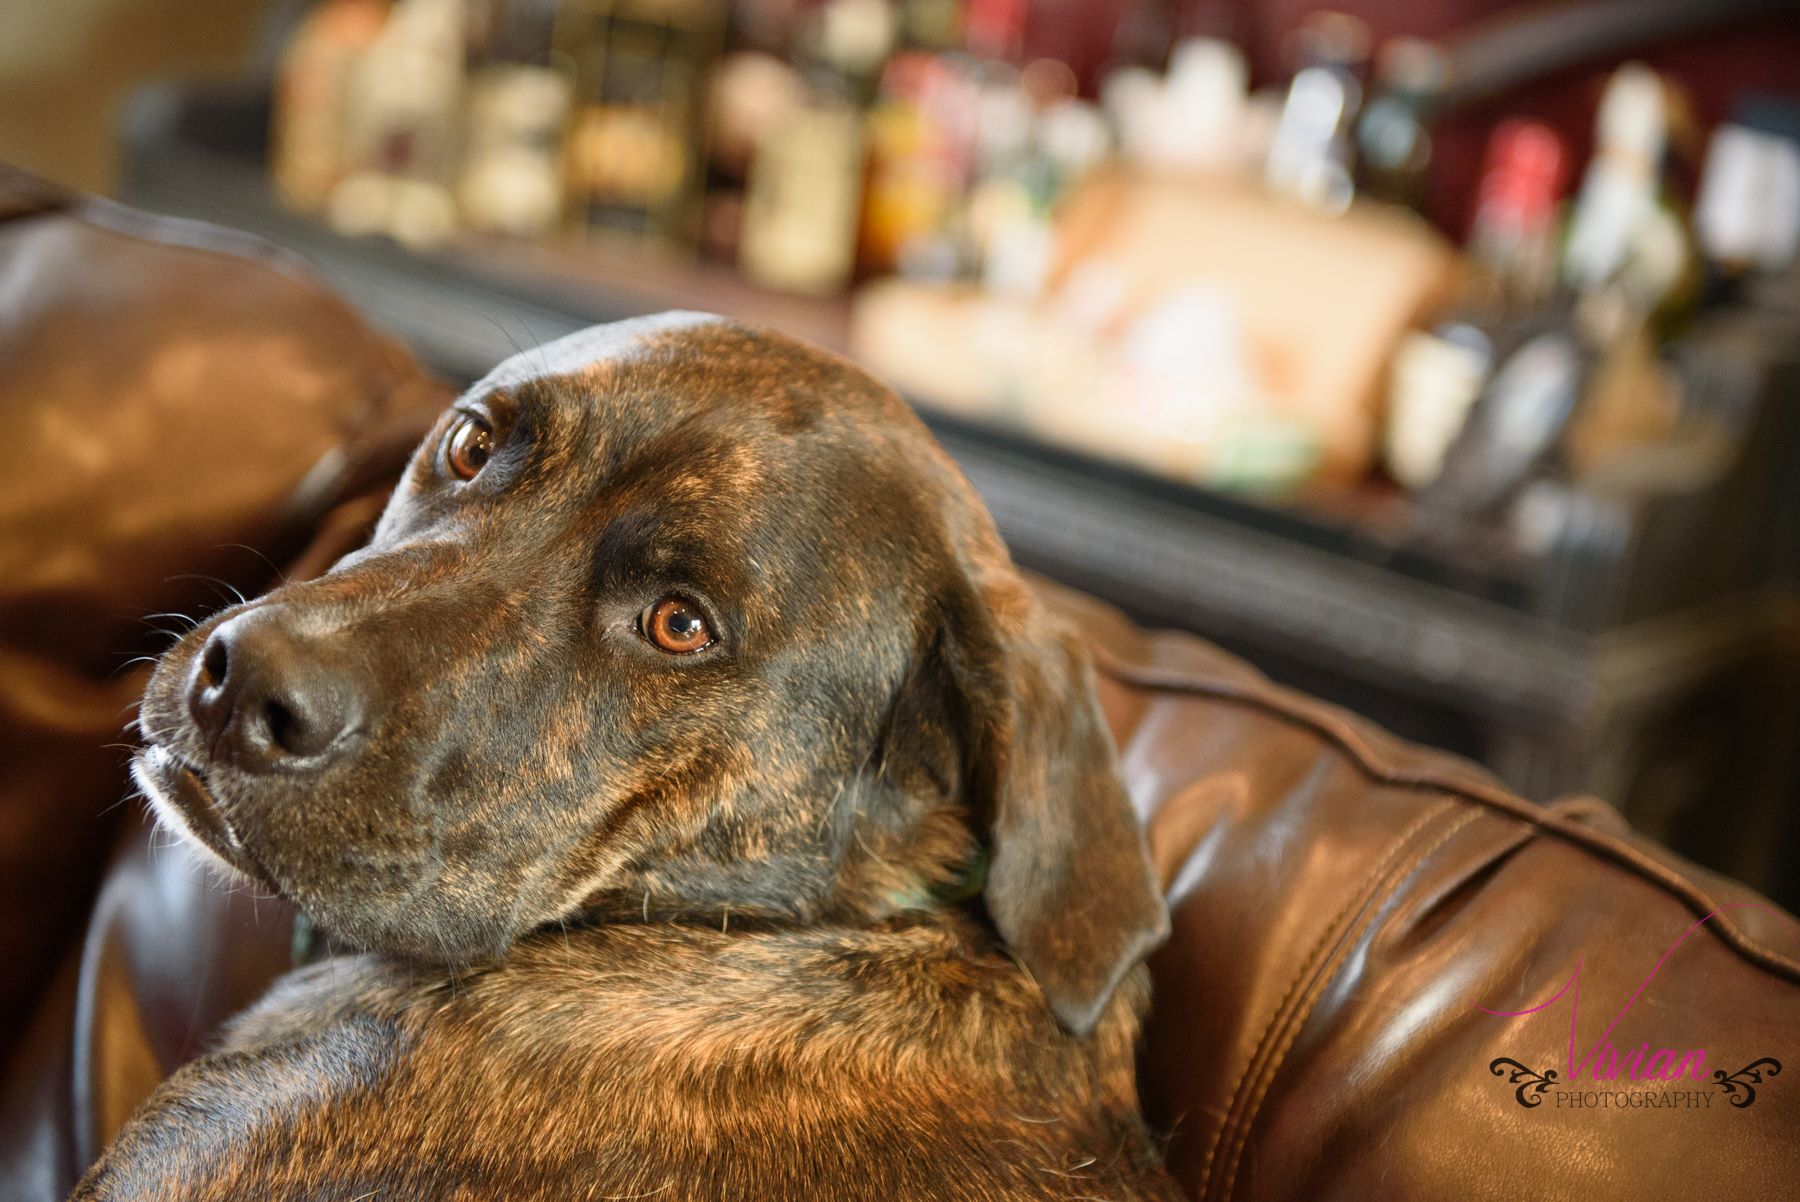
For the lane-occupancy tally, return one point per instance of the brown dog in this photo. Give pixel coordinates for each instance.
(719, 815)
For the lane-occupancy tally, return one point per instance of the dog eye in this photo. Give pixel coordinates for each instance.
(468, 446)
(675, 625)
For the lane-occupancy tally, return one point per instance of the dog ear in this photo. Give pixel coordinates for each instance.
(1069, 885)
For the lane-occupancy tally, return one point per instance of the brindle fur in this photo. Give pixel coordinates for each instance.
(635, 925)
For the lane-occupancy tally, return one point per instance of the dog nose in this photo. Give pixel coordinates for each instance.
(263, 700)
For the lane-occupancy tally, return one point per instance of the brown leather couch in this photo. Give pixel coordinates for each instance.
(1345, 904)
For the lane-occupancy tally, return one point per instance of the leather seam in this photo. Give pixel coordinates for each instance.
(1388, 881)
(1358, 752)
(1317, 955)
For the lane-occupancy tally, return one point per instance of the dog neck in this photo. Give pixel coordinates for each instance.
(868, 855)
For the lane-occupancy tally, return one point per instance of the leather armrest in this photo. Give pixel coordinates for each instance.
(181, 404)
(1348, 906)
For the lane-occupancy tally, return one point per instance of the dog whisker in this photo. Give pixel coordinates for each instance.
(128, 665)
(191, 621)
(229, 588)
(280, 575)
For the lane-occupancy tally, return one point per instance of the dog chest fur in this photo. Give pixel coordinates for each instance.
(659, 1061)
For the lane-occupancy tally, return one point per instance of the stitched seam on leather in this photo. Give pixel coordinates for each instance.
(1320, 951)
(1364, 758)
(1387, 883)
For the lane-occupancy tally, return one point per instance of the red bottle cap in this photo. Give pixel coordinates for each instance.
(1525, 174)
(995, 28)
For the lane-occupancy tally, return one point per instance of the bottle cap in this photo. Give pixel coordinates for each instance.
(1526, 171)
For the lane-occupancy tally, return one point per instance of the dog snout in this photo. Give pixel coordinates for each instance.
(265, 699)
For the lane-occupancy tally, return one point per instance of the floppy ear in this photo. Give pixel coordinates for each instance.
(1069, 886)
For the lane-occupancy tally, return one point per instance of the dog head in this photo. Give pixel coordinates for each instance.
(670, 616)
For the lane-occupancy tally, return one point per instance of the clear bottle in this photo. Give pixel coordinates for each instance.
(633, 171)
(518, 109)
(1311, 154)
(402, 127)
(1393, 142)
(803, 205)
(1439, 375)
(308, 154)
(1629, 257)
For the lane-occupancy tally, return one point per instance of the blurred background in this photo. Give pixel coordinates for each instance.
(1439, 357)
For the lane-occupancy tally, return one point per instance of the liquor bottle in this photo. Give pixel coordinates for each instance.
(633, 170)
(1438, 375)
(1013, 207)
(751, 92)
(1512, 240)
(804, 197)
(1206, 91)
(1748, 212)
(1392, 141)
(1308, 159)
(1618, 193)
(1015, 175)
(1133, 97)
(851, 40)
(922, 133)
(518, 106)
(803, 206)
(994, 30)
(1191, 120)
(1336, 41)
(401, 126)
(1432, 385)
(1629, 255)
(1519, 424)
(1310, 156)
(930, 26)
(308, 155)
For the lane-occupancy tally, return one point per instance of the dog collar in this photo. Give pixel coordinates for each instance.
(968, 882)
(306, 945)
(965, 883)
